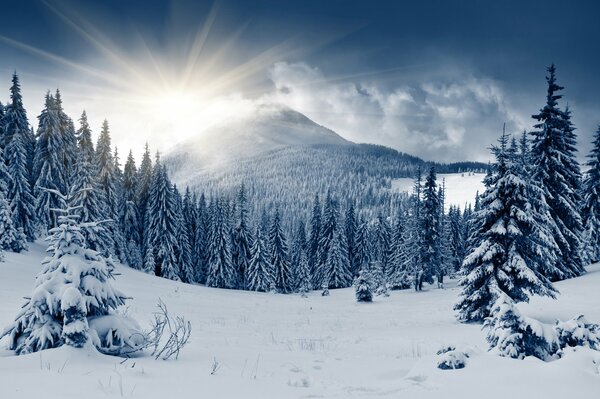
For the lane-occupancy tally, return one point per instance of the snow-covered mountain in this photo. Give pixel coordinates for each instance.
(282, 156)
(268, 127)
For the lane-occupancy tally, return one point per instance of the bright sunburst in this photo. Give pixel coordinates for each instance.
(160, 93)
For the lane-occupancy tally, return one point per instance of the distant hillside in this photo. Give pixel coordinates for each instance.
(361, 173)
(285, 158)
(269, 127)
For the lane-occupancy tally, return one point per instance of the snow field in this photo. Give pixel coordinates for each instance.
(461, 188)
(261, 345)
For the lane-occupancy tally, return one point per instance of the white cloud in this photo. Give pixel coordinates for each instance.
(445, 121)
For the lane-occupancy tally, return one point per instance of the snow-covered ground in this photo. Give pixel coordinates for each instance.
(285, 346)
(460, 187)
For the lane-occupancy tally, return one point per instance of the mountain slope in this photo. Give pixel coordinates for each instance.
(269, 127)
(284, 159)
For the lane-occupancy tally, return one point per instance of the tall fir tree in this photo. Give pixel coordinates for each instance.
(362, 245)
(457, 237)
(556, 171)
(162, 225)
(221, 271)
(144, 181)
(202, 236)
(89, 195)
(350, 237)
(242, 237)
(337, 265)
(260, 275)
(510, 247)
(110, 184)
(8, 233)
(68, 152)
(431, 228)
(184, 248)
(15, 120)
(129, 217)
(414, 242)
(398, 276)
(48, 166)
(591, 203)
(190, 224)
(107, 173)
(22, 201)
(301, 268)
(332, 253)
(314, 240)
(279, 256)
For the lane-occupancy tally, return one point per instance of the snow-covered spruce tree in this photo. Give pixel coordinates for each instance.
(7, 229)
(107, 174)
(556, 171)
(303, 277)
(190, 224)
(48, 167)
(5, 177)
(242, 237)
(350, 227)
(337, 264)
(71, 293)
(279, 256)
(201, 246)
(221, 270)
(380, 258)
(363, 286)
(260, 275)
(15, 120)
(512, 335)
(362, 245)
(329, 227)
(109, 180)
(591, 204)
(8, 234)
(22, 201)
(129, 218)
(334, 266)
(431, 260)
(540, 211)
(506, 257)
(184, 250)
(2, 113)
(413, 253)
(68, 152)
(314, 241)
(89, 195)
(149, 261)
(144, 181)
(446, 256)
(398, 276)
(162, 227)
(455, 238)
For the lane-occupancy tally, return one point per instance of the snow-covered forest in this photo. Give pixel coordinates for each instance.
(253, 239)
(536, 224)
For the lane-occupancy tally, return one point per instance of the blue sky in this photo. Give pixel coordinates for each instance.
(433, 78)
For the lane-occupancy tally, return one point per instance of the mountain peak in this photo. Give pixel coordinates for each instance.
(267, 127)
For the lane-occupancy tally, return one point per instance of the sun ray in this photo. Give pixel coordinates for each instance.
(90, 33)
(198, 45)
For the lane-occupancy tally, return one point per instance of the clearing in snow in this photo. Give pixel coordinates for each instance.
(261, 345)
(461, 188)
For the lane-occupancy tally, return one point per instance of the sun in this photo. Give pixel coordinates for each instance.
(163, 92)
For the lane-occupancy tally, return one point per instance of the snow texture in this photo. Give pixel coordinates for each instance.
(287, 346)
